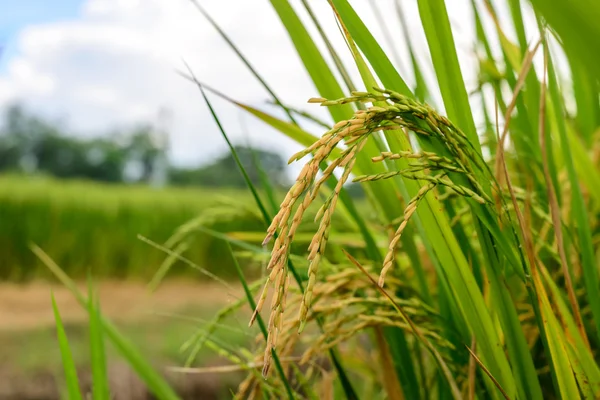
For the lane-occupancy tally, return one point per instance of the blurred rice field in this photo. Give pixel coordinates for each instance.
(87, 226)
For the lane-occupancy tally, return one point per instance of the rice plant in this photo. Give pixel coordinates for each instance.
(486, 284)
(475, 274)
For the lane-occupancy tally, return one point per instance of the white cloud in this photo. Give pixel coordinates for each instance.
(115, 65)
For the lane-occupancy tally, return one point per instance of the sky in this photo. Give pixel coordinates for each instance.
(98, 65)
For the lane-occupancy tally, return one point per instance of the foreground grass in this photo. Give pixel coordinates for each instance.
(486, 284)
(158, 325)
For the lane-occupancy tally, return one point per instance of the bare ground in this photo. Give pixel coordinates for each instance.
(27, 308)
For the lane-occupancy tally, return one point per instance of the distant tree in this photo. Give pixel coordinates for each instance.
(30, 144)
(224, 170)
(143, 151)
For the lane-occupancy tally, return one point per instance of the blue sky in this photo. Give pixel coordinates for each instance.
(16, 15)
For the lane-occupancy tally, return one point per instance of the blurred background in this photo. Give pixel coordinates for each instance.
(101, 141)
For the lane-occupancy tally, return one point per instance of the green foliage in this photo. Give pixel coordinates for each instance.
(223, 171)
(485, 249)
(31, 144)
(71, 380)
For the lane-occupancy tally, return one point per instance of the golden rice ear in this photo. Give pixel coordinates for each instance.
(390, 115)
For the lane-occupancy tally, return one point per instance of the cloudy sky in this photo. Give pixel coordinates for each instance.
(96, 65)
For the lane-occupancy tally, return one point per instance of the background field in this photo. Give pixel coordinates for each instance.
(87, 226)
(158, 323)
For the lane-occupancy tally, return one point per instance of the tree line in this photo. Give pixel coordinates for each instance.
(31, 144)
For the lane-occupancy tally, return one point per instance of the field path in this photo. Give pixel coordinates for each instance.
(28, 306)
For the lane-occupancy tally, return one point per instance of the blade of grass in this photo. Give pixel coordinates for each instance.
(390, 379)
(70, 371)
(531, 95)
(421, 91)
(561, 370)
(264, 182)
(585, 90)
(334, 55)
(579, 352)
(582, 14)
(585, 167)
(381, 21)
(487, 372)
(312, 59)
(187, 261)
(589, 266)
(100, 387)
(525, 121)
(243, 59)
(238, 162)
(292, 131)
(555, 208)
(373, 52)
(445, 61)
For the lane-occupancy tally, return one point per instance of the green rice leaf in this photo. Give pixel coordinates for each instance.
(70, 371)
(381, 64)
(246, 62)
(584, 233)
(576, 23)
(100, 387)
(312, 59)
(445, 60)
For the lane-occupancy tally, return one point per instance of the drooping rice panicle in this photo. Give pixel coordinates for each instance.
(393, 112)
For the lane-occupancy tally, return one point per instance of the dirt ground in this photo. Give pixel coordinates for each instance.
(26, 310)
(28, 306)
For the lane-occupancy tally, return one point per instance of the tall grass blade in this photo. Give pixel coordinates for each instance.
(445, 60)
(239, 164)
(332, 52)
(381, 64)
(585, 91)
(246, 62)
(70, 371)
(292, 131)
(312, 59)
(584, 233)
(555, 209)
(421, 90)
(549, 328)
(576, 23)
(100, 386)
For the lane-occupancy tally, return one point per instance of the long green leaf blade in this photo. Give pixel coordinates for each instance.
(70, 371)
(314, 62)
(100, 387)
